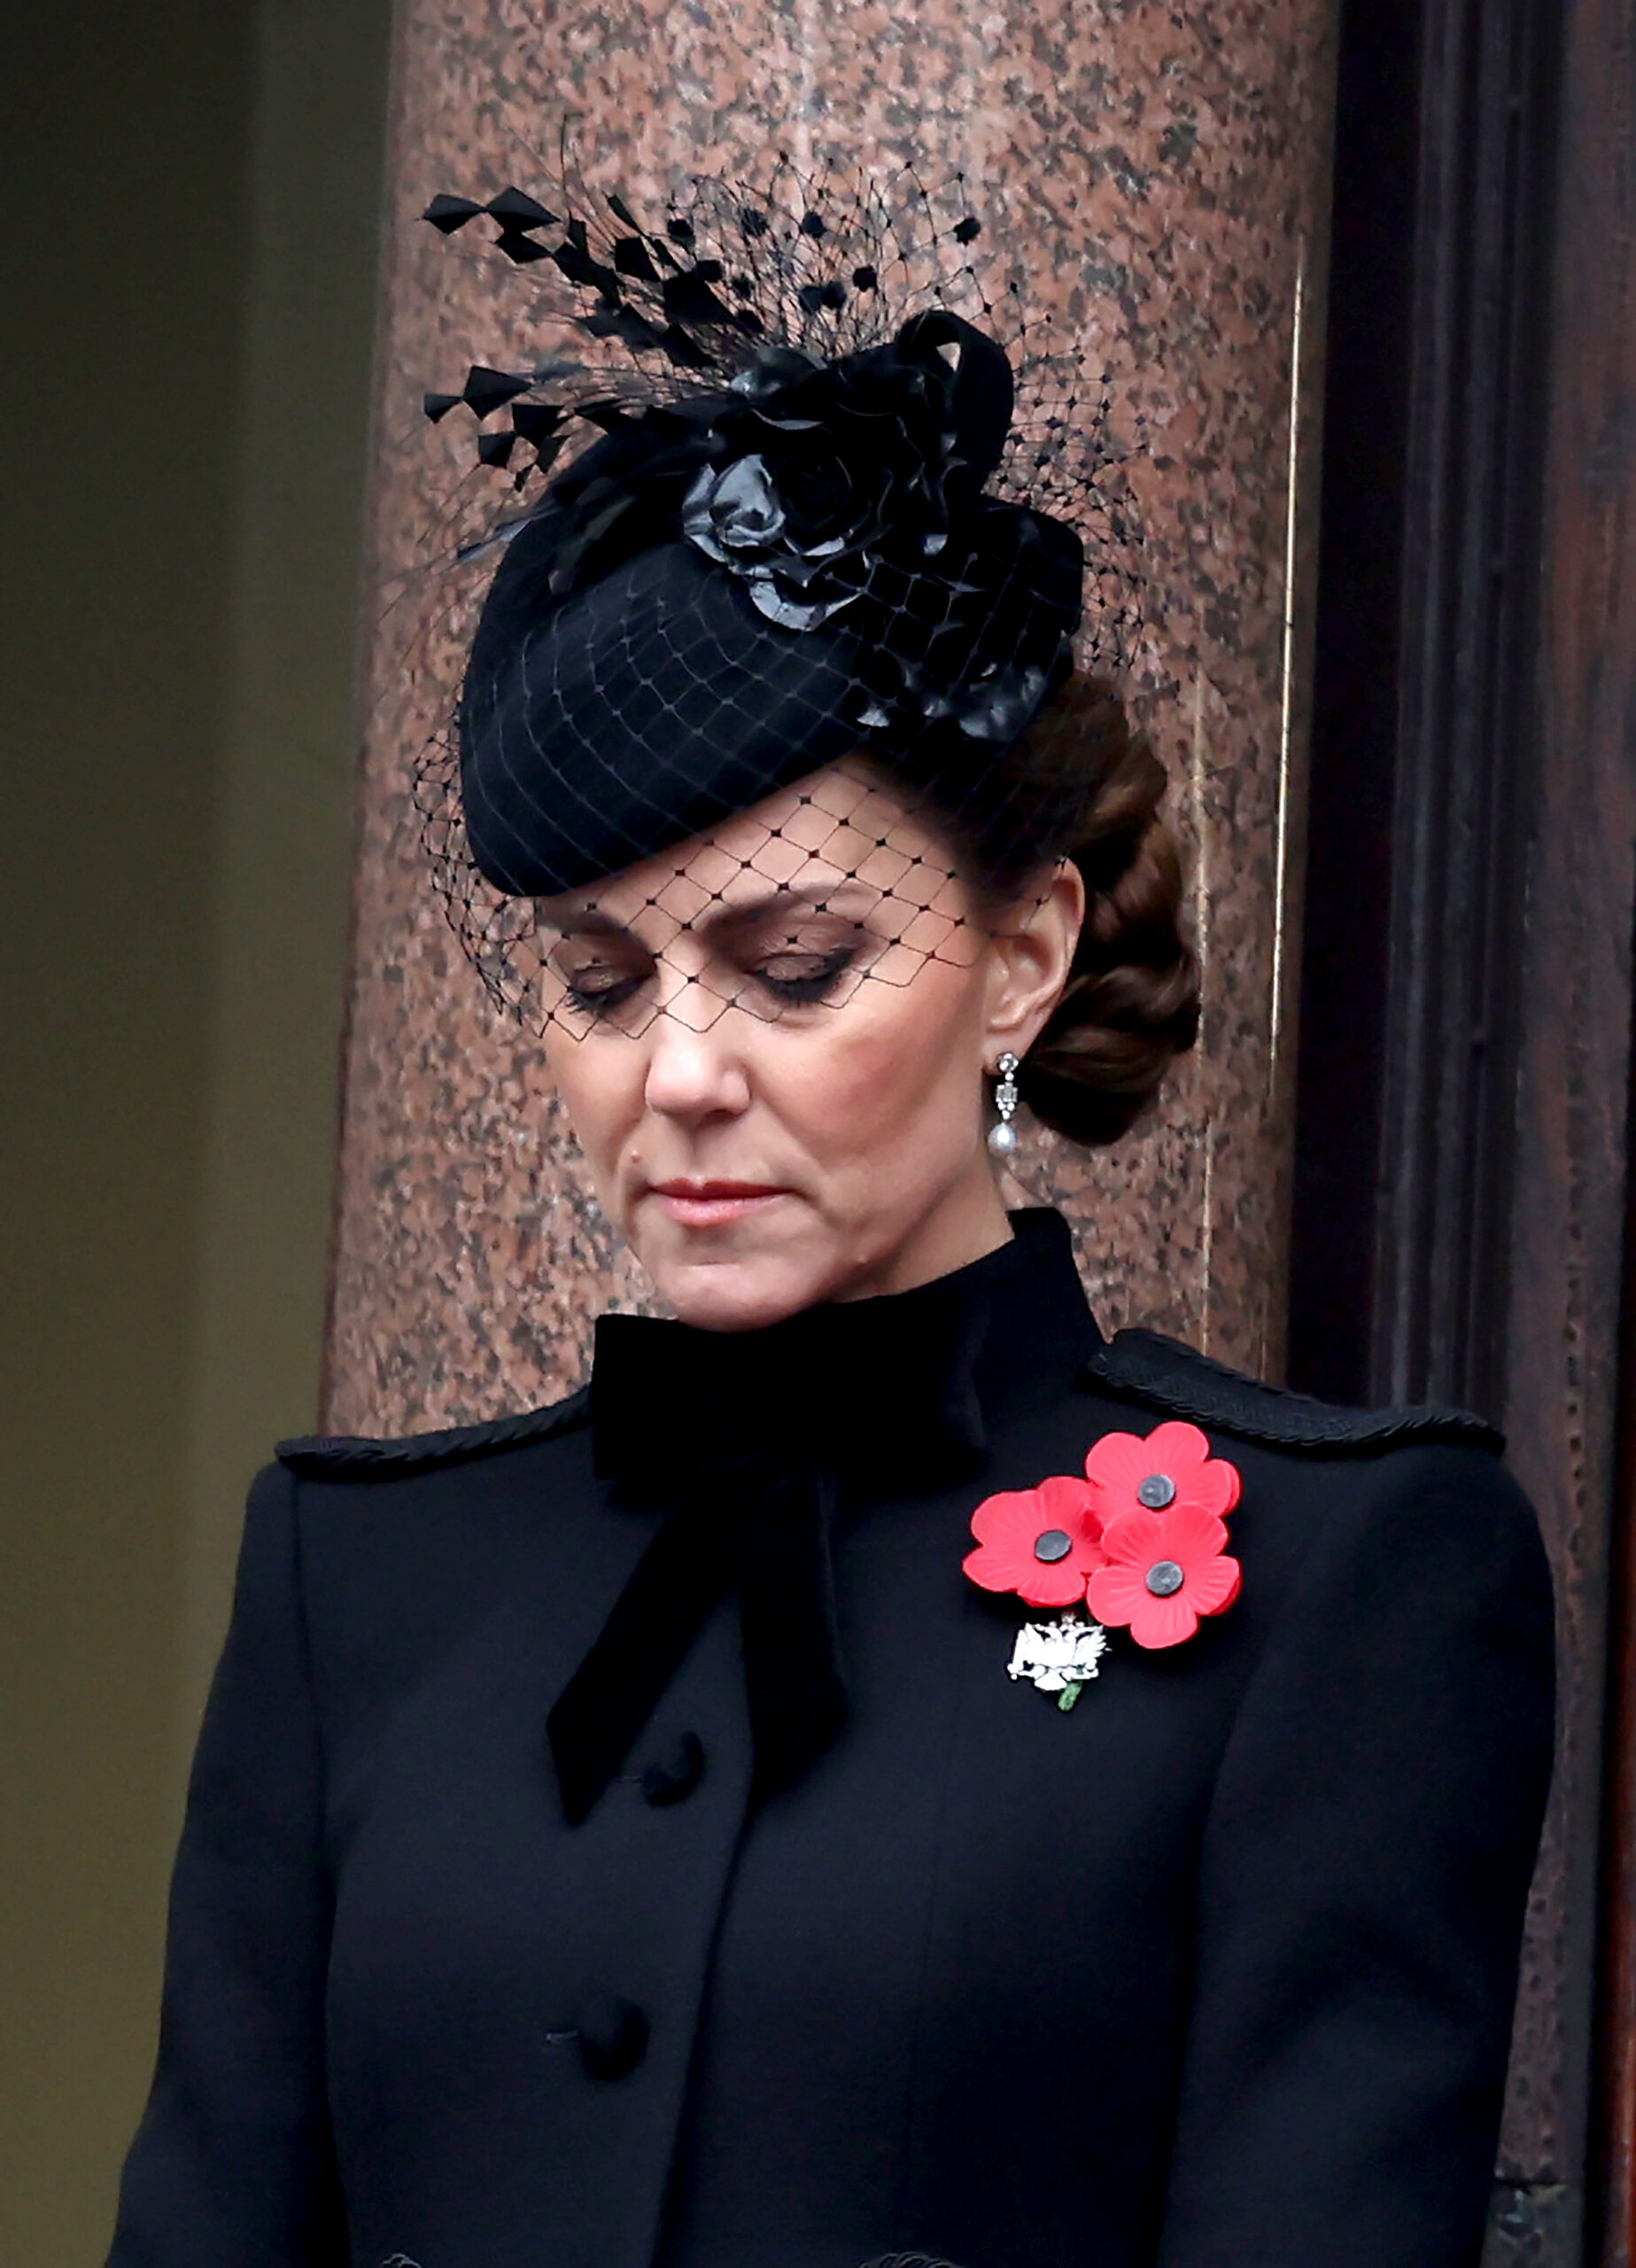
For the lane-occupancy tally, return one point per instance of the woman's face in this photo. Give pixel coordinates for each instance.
(772, 1042)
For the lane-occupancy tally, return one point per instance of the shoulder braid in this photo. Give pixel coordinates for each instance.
(343, 1456)
(1161, 1374)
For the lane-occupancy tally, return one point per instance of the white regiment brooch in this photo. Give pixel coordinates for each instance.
(1059, 1656)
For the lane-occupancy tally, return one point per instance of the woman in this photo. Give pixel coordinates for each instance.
(883, 1773)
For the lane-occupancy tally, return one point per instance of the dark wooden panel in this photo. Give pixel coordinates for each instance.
(1576, 1176)
(1571, 1159)
(1468, 742)
(1426, 740)
(1356, 664)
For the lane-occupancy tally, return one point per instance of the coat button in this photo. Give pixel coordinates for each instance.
(672, 1778)
(613, 2038)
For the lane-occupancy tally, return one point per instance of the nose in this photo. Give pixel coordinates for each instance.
(694, 1073)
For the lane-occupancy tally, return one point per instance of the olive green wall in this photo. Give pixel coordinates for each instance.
(189, 227)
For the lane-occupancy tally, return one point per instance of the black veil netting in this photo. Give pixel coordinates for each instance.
(800, 528)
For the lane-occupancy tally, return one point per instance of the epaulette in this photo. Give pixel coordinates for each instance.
(1145, 1366)
(356, 1457)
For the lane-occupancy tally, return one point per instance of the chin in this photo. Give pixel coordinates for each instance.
(734, 1294)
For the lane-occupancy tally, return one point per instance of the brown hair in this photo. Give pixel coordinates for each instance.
(1081, 785)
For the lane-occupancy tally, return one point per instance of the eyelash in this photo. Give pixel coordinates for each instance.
(604, 998)
(821, 978)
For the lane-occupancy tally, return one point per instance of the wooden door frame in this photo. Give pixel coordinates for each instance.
(1589, 671)
(1462, 1226)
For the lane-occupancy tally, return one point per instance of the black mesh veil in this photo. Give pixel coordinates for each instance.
(801, 537)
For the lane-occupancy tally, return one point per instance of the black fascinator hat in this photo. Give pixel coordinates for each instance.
(807, 520)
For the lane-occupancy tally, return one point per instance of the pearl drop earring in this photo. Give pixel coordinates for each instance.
(1002, 1134)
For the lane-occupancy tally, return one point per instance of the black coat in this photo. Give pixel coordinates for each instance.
(1214, 1970)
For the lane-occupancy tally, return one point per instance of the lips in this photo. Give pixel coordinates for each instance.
(712, 1204)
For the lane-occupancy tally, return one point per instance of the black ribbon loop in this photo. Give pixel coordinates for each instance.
(984, 390)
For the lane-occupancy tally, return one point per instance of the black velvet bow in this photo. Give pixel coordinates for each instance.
(750, 1442)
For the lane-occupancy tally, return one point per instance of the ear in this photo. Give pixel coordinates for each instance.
(1032, 952)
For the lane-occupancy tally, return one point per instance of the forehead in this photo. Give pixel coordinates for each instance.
(843, 826)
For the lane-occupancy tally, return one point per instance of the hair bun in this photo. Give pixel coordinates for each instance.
(1131, 1002)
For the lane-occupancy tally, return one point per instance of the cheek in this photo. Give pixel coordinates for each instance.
(893, 1083)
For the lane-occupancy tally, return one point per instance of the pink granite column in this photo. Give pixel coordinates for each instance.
(1162, 173)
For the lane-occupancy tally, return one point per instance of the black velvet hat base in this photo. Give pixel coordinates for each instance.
(635, 714)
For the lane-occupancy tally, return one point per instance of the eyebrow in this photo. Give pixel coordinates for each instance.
(589, 921)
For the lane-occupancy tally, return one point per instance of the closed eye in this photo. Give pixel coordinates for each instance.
(601, 989)
(797, 976)
(598, 987)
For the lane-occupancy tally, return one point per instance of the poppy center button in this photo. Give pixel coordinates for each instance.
(1157, 1490)
(1165, 1578)
(1055, 1544)
(613, 2038)
(672, 1777)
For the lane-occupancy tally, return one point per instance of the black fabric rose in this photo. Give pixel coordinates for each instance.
(832, 468)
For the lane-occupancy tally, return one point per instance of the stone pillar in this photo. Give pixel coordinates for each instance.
(1162, 176)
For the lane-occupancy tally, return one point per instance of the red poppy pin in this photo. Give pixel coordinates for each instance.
(1140, 1541)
